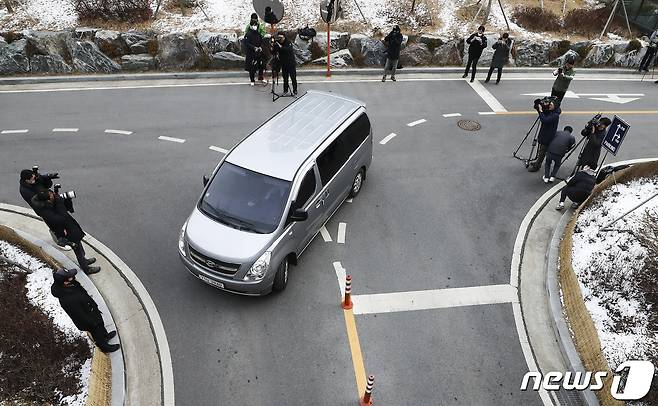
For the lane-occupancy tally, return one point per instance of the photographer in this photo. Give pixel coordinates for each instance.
(595, 131)
(283, 50)
(578, 188)
(549, 116)
(393, 42)
(270, 17)
(560, 145)
(650, 53)
(477, 43)
(564, 77)
(52, 209)
(500, 56)
(253, 43)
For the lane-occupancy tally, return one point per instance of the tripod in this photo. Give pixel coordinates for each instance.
(652, 63)
(534, 143)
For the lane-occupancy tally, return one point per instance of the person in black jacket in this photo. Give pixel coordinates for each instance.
(477, 43)
(393, 42)
(561, 144)
(253, 47)
(549, 115)
(287, 60)
(500, 56)
(592, 150)
(52, 209)
(81, 308)
(578, 188)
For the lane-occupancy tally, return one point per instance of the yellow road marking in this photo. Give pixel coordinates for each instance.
(355, 348)
(532, 112)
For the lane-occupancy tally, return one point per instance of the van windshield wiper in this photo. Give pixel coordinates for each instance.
(245, 225)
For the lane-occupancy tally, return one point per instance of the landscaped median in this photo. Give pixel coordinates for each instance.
(608, 275)
(44, 358)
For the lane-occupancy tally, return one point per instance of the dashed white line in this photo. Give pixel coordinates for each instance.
(325, 234)
(13, 131)
(65, 130)
(341, 233)
(387, 138)
(415, 123)
(218, 149)
(488, 98)
(172, 139)
(487, 113)
(452, 115)
(120, 132)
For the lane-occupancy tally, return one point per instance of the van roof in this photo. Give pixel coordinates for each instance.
(281, 145)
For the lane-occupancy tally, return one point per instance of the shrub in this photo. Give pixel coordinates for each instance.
(633, 45)
(586, 21)
(536, 18)
(559, 49)
(114, 10)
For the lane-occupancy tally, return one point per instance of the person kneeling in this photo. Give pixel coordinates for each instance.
(578, 188)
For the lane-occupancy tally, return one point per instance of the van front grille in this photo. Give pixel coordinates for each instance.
(213, 264)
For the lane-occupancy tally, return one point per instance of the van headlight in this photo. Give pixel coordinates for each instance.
(259, 268)
(181, 240)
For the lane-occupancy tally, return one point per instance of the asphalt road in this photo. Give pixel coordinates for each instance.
(440, 209)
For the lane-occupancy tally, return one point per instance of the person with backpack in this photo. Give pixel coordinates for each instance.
(393, 42)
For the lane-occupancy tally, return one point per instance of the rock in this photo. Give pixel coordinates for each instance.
(226, 60)
(50, 43)
(620, 46)
(141, 47)
(416, 54)
(450, 53)
(178, 51)
(559, 61)
(111, 43)
(142, 62)
(339, 40)
(49, 64)
(214, 42)
(367, 51)
(599, 55)
(432, 41)
(339, 59)
(581, 48)
(13, 57)
(85, 33)
(302, 50)
(629, 59)
(3, 41)
(133, 37)
(531, 53)
(87, 58)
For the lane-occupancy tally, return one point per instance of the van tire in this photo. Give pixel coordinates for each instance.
(281, 277)
(357, 183)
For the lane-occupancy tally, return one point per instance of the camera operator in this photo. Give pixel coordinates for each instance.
(578, 188)
(283, 50)
(560, 145)
(393, 42)
(500, 56)
(595, 131)
(650, 53)
(564, 76)
(549, 116)
(53, 210)
(253, 43)
(477, 42)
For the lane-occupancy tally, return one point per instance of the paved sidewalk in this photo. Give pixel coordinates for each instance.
(148, 374)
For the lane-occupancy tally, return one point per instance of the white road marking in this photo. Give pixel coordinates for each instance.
(488, 98)
(65, 130)
(350, 200)
(415, 123)
(341, 274)
(341, 233)
(325, 234)
(434, 299)
(218, 149)
(120, 132)
(452, 115)
(487, 113)
(13, 131)
(172, 139)
(617, 98)
(387, 138)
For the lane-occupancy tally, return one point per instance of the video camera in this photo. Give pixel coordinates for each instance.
(592, 123)
(66, 196)
(544, 102)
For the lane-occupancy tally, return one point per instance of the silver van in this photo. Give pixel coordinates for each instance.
(270, 195)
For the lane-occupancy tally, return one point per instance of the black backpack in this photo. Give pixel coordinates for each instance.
(306, 33)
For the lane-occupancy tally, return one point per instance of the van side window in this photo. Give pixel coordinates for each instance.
(306, 189)
(339, 151)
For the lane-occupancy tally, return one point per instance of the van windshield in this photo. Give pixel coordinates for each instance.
(245, 199)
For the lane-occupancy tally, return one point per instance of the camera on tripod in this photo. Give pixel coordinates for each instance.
(544, 102)
(592, 123)
(66, 196)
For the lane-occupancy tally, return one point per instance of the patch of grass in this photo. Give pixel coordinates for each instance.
(536, 19)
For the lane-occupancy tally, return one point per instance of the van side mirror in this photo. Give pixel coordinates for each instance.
(205, 180)
(298, 215)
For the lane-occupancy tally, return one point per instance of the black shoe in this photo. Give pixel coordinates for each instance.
(486, 81)
(110, 335)
(91, 260)
(464, 75)
(92, 270)
(472, 80)
(498, 81)
(109, 347)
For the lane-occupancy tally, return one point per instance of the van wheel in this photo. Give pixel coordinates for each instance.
(357, 184)
(281, 277)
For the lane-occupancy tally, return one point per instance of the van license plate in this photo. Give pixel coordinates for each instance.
(211, 282)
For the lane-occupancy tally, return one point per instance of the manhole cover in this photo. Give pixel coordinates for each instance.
(469, 125)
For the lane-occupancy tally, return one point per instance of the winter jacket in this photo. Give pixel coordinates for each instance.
(563, 80)
(580, 186)
(476, 47)
(286, 55)
(77, 303)
(549, 122)
(562, 143)
(253, 39)
(501, 53)
(394, 43)
(261, 29)
(58, 219)
(592, 150)
(29, 190)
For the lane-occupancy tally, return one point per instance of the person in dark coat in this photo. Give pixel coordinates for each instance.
(650, 52)
(549, 116)
(500, 56)
(253, 44)
(578, 188)
(561, 144)
(81, 308)
(52, 209)
(393, 42)
(477, 43)
(286, 55)
(592, 150)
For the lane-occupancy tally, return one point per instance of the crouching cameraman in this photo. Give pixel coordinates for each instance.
(578, 188)
(595, 131)
(549, 116)
(54, 210)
